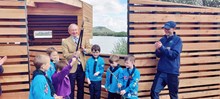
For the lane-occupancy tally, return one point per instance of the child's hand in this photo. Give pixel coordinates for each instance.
(55, 60)
(58, 97)
(96, 74)
(122, 92)
(2, 60)
(73, 61)
(119, 85)
(83, 48)
(88, 80)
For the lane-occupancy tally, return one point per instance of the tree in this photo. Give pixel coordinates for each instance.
(208, 3)
(120, 47)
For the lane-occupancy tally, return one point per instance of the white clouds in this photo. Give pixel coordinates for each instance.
(109, 13)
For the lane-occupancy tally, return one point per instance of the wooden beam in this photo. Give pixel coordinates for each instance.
(18, 95)
(31, 3)
(54, 9)
(75, 3)
(160, 32)
(13, 50)
(14, 78)
(153, 2)
(175, 17)
(18, 68)
(15, 87)
(186, 47)
(12, 14)
(170, 9)
(12, 3)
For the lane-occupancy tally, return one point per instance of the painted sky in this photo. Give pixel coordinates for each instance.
(110, 13)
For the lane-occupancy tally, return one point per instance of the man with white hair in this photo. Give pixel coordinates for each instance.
(77, 73)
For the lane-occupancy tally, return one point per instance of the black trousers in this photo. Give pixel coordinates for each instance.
(163, 79)
(79, 76)
(114, 95)
(95, 89)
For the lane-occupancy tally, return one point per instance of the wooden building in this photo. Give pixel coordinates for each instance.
(199, 28)
(19, 20)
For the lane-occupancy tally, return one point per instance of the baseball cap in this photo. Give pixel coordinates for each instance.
(169, 24)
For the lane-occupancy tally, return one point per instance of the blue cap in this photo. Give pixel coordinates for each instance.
(169, 24)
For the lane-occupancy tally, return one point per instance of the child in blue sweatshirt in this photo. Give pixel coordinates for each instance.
(168, 49)
(112, 76)
(41, 86)
(54, 57)
(129, 78)
(94, 71)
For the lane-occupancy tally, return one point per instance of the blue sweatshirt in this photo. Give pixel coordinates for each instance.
(169, 54)
(132, 87)
(98, 68)
(51, 70)
(40, 88)
(112, 86)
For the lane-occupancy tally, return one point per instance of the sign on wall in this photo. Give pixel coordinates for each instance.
(43, 34)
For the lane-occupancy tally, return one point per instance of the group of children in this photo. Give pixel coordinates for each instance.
(50, 79)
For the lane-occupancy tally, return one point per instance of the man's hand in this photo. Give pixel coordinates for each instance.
(158, 44)
(122, 92)
(88, 81)
(96, 74)
(2, 60)
(77, 54)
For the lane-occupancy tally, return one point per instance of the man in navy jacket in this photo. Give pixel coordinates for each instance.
(168, 49)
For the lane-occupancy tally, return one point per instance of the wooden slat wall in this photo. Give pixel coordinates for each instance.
(199, 28)
(57, 17)
(13, 43)
(88, 20)
(58, 24)
(51, 16)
